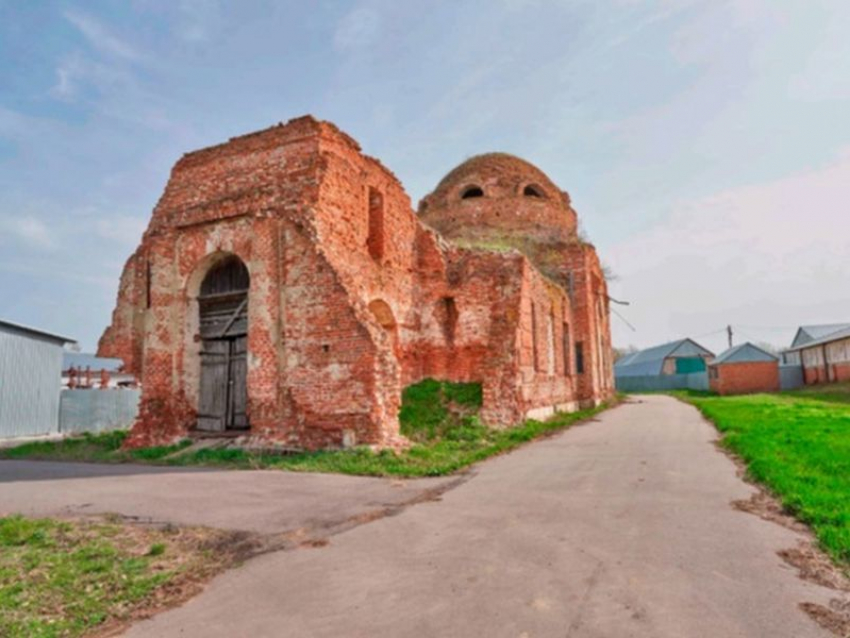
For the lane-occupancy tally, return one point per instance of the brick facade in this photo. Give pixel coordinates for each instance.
(352, 297)
(744, 377)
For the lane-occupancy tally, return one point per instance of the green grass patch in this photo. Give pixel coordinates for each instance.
(440, 418)
(103, 448)
(832, 393)
(456, 448)
(797, 444)
(95, 448)
(60, 578)
(432, 410)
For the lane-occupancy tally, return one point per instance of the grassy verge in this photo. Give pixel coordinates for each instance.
(92, 448)
(68, 578)
(831, 393)
(797, 444)
(440, 418)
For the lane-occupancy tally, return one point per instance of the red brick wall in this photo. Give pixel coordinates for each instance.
(340, 320)
(745, 377)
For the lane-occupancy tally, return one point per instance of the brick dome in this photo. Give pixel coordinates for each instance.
(499, 196)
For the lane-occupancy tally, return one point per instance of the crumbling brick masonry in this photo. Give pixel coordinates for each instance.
(285, 288)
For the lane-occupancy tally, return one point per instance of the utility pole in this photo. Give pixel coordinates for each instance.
(729, 334)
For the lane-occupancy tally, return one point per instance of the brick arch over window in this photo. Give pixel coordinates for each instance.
(471, 192)
(533, 190)
(382, 312)
(230, 274)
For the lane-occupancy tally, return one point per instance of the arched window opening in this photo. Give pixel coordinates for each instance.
(533, 191)
(375, 239)
(471, 192)
(148, 283)
(449, 318)
(534, 347)
(383, 313)
(579, 357)
(550, 344)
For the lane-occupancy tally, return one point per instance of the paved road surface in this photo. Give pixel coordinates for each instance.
(266, 502)
(618, 528)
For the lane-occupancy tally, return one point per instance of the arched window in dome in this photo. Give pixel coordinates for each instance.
(532, 190)
(471, 192)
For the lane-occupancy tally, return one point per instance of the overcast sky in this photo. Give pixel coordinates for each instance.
(705, 144)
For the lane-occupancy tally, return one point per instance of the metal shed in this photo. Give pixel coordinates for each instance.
(30, 380)
(677, 357)
(678, 364)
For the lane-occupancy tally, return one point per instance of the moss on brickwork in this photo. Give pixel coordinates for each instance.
(434, 409)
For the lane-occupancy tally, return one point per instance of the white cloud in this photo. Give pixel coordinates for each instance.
(200, 19)
(69, 73)
(121, 228)
(30, 230)
(100, 37)
(765, 254)
(357, 30)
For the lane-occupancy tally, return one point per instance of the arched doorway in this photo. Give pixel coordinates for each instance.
(223, 307)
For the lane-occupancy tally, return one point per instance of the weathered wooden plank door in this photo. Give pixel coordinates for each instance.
(238, 380)
(223, 398)
(212, 403)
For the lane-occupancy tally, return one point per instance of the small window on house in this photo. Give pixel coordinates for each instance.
(534, 346)
(375, 239)
(533, 191)
(471, 191)
(579, 357)
(566, 349)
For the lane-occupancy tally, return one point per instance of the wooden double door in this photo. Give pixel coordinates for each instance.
(223, 302)
(224, 387)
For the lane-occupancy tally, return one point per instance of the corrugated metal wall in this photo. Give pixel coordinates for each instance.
(98, 410)
(660, 382)
(790, 377)
(30, 380)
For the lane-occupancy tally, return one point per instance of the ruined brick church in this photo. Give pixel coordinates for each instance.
(286, 290)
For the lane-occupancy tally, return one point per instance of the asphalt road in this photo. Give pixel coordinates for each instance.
(262, 501)
(618, 528)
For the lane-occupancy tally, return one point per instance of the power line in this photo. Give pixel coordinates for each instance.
(623, 319)
(708, 334)
(767, 327)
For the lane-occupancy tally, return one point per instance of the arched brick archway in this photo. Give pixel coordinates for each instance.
(221, 308)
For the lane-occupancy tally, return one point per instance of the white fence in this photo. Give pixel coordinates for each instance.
(97, 410)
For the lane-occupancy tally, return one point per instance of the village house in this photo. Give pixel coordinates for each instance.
(823, 351)
(744, 369)
(285, 291)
